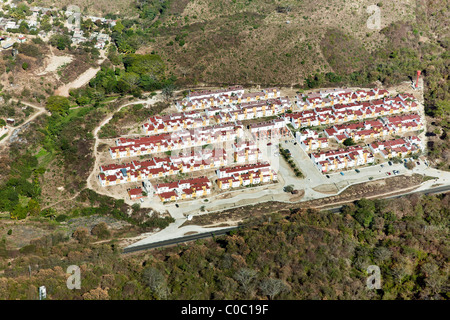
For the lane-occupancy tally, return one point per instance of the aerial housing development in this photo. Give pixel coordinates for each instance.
(220, 139)
(207, 134)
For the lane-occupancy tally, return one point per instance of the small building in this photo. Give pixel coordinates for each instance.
(21, 38)
(10, 121)
(135, 193)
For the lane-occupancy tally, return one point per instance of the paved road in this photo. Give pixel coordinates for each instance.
(170, 242)
(175, 241)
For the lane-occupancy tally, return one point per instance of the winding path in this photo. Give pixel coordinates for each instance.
(82, 79)
(11, 130)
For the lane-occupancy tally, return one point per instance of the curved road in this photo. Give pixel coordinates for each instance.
(41, 110)
(204, 235)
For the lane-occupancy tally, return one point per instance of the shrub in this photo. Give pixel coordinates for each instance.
(61, 218)
(101, 231)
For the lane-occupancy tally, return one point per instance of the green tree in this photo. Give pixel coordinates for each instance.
(33, 207)
(57, 105)
(19, 212)
(349, 142)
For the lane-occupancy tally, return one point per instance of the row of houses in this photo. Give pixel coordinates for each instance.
(374, 128)
(246, 151)
(134, 171)
(249, 110)
(337, 96)
(275, 128)
(251, 174)
(311, 143)
(170, 123)
(342, 113)
(182, 162)
(182, 139)
(183, 189)
(344, 158)
(218, 98)
(398, 147)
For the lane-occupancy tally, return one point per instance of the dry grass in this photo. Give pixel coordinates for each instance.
(250, 42)
(98, 7)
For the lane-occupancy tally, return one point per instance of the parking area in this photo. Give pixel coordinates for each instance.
(312, 175)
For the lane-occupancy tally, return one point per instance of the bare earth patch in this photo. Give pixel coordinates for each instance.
(326, 188)
(54, 62)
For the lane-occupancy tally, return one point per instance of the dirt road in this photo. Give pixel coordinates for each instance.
(91, 179)
(41, 110)
(82, 79)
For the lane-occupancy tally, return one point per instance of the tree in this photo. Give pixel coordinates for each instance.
(19, 212)
(118, 27)
(61, 41)
(101, 231)
(271, 287)
(33, 207)
(156, 282)
(289, 188)
(245, 277)
(128, 82)
(381, 254)
(57, 105)
(24, 66)
(167, 91)
(349, 142)
(410, 165)
(82, 235)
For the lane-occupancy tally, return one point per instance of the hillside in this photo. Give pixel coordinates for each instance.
(98, 7)
(283, 42)
(297, 254)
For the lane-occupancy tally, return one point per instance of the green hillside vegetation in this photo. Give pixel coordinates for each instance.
(301, 254)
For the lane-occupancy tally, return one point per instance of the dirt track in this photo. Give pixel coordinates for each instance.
(81, 80)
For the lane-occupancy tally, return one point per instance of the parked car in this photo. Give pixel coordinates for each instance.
(390, 163)
(295, 143)
(341, 173)
(328, 176)
(382, 165)
(357, 170)
(418, 163)
(388, 173)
